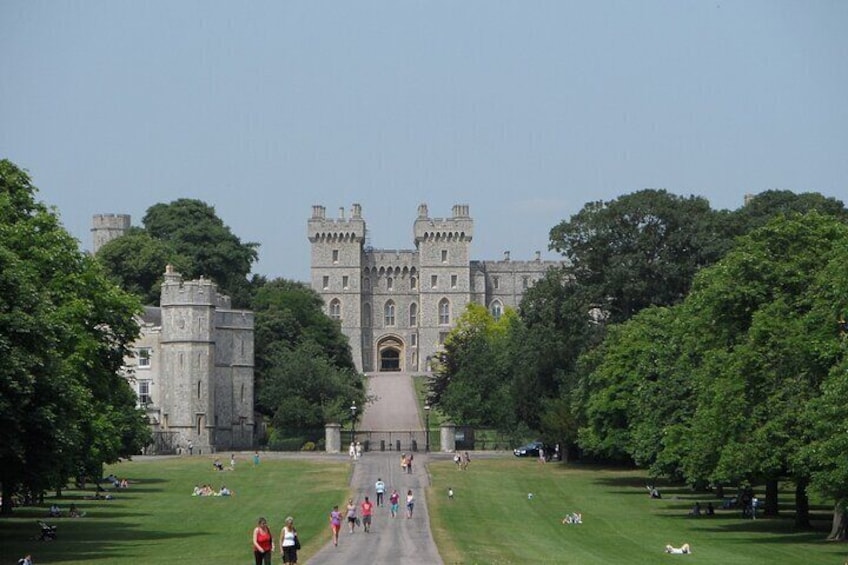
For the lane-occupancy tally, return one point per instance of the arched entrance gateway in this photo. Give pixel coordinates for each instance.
(390, 354)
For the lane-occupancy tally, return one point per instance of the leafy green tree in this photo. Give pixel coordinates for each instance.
(136, 262)
(640, 250)
(765, 355)
(303, 389)
(761, 208)
(64, 333)
(194, 231)
(305, 375)
(471, 385)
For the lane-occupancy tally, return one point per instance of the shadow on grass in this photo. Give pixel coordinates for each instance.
(80, 539)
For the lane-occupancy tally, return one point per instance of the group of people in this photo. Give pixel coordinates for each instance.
(696, 511)
(73, 511)
(366, 508)
(461, 461)
(573, 518)
(263, 542)
(355, 450)
(115, 482)
(207, 490)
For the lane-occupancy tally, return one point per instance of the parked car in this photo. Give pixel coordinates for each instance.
(529, 450)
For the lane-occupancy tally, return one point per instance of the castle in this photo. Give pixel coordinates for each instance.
(193, 363)
(397, 306)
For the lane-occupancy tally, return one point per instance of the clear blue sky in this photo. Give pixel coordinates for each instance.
(523, 110)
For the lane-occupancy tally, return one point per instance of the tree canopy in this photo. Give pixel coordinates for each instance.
(64, 332)
(188, 234)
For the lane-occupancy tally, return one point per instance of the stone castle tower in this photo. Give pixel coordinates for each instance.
(193, 368)
(106, 227)
(193, 363)
(397, 306)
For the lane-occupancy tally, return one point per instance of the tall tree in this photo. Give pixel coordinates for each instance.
(136, 262)
(640, 250)
(64, 332)
(194, 230)
(305, 375)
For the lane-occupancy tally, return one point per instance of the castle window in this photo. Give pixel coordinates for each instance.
(143, 357)
(496, 283)
(345, 282)
(390, 283)
(198, 389)
(335, 255)
(444, 312)
(144, 393)
(242, 393)
(453, 281)
(366, 283)
(497, 310)
(413, 314)
(390, 313)
(444, 255)
(366, 315)
(525, 282)
(434, 281)
(336, 309)
(325, 283)
(413, 283)
(413, 340)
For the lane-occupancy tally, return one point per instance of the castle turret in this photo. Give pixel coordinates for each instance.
(444, 248)
(337, 263)
(106, 227)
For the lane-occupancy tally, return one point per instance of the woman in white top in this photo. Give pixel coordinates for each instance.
(682, 550)
(288, 541)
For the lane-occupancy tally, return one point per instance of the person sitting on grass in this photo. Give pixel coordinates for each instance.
(224, 491)
(54, 511)
(218, 465)
(682, 550)
(74, 512)
(573, 518)
(696, 510)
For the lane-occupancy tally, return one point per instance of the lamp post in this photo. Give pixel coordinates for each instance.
(426, 428)
(353, 422)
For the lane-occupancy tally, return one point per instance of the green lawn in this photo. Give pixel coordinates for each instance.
(157, 520)
(490, 521)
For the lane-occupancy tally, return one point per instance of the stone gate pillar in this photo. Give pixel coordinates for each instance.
(332, 438)
(447, 434)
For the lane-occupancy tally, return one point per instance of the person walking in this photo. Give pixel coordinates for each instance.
(367, 509)
(351, 514)
(263, 543)
(394, 501)
(410, 504)
(380, 488)
(289, 543)
(335, 523)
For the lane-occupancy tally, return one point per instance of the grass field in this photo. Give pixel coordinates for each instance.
(491, 520)
(156, 520)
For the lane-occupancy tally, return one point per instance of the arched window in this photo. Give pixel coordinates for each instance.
(366, 315)
(413, 314)
(444, 312)
(497, 310)
(390, 283)
(390, 313)
(336, 309)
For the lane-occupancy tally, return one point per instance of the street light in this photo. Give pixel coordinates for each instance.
(353, 422)
(426, 428)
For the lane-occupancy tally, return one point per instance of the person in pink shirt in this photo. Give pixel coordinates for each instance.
(335, 523)
(367, 508)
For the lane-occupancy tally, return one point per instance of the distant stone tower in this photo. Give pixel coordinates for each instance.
(443, 246)
(106, 227)
(207, 363)
(337, 262)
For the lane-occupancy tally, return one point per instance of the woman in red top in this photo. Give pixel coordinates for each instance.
(263, 543)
